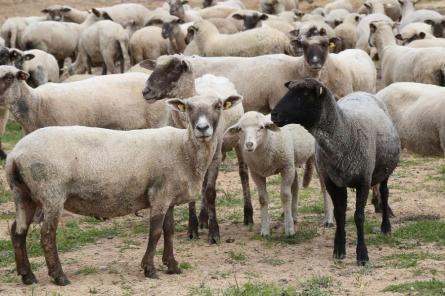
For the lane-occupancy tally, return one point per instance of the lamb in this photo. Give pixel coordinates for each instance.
(103, 43)
(253, 42)
(147, 177)
(253, 19)
(147, 43)
(58, 38)
(338, 4)
(350, 70)
(186, 85)
(172, 31)
(400, 63)
(418, 112)
(95, 102)
(125, 12)
(12, 29)
(357, 146)
(363, 30)
(346, 33)
(41, 66)
(269, 150)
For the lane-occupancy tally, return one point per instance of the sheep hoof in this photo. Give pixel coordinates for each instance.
(61, 280)
(174, 269)
(29, 279)
(193, 234)
(386, 228)
(328, 224)
(362, 262)
(339, 251)
(150, 273)
(248, 216)
(362, 255)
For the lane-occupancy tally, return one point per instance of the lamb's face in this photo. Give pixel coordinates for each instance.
(377, 29)
(177, 7)
(166, 79)
(169, 29)
(203, 113)
(437, 26)
(250, 20)
(302, 104)
(315, 51)
(54, 13)
(9, 75)
(252, 130)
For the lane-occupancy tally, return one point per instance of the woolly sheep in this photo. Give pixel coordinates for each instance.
(338, 4)
(269, 150)
(336, 16)
(277, 6)
(391, 8)
(147, 43)
(125, 12)
(346, 32)
(426, 43)
(179, 9)
(253, 19)
(230, 3)
(357, 146)
(418, 113)
(400, 63)
(96, 102)
(411, 15)
(12, 29)
(258, 41)
(363, 30)
(62, 167)
(413, 31)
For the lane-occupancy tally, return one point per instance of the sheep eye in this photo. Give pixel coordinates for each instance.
(261, 127)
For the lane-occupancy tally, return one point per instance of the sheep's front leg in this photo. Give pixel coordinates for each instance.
(295, 189)
(260, 183)
(339, 197)
(193, 221)
(157, 216)
(48, 232)
(359, 218)
(386, 211)
(244, 176)
(168, 257)
(288, 177)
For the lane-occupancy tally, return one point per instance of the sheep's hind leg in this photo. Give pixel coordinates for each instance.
(294, 190)
(386, 211)
(193, 221)
(244, 176)
(168, 257)
(339, 197)
(25, 209)
(359, 218)
(260, 183)
(288, 177)
(48, 232)
(328, 220)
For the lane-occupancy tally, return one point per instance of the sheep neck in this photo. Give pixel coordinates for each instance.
(23, 101)
(178, 42)
(383, 39)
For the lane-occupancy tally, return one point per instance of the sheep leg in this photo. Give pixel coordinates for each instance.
(260, 183)
(210, 197)
(25, 209)
(294, 190)
(328, 220)
(193, 221)
(359, 218)
(48, 241)
(204, 213)
(2, 152)
(339, 197)
(156, 224)
(287, 177)
(244, 176)
(109, 62)
(168, 257)
(386, 211)
(377, 200)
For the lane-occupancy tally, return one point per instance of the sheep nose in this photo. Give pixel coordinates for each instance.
(249, 144)
(202, 127)
(315, 59)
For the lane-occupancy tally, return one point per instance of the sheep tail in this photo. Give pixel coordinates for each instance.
(125, 61)
(308, 171)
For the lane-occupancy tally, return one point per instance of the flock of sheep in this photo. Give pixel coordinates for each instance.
(198, 82)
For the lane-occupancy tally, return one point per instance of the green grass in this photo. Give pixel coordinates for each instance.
(259, 289)
(407, 260)
(185, 266)
(302, 234)
(5, 195)
(273, 261)
(237, 256)
(12, 134)
(432, 287)
(7, 216)
(228, 199)
(87, 270)
(317, 286)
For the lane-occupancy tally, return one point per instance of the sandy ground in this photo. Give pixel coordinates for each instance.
(114, 263)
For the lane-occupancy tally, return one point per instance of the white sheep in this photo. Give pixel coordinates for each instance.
(106, 173)
(418, 113)
(13, 28)
(230, 3)
(125, 12)
(413, 31)
(277, 6)
(258, 41)
(346, 32)
(147, 43)
(269, 150)
(338, 4)
(363, 30)
(336, 16)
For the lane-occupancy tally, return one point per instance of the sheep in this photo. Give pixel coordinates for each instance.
(418, 112)
(350, 70)
(304, 27)
(172, 31)
(346, 33)
(140, 67)
(186, 85)
(277, 6)
(96, 102)
(53, 12)
(400, 63)
(178, 8)
(79, 77)
(336, 16)
(224, 25)
(102, 43)
(41, 66)
(269, 150)
(12, 29)
(337, 4)
(70, 14)
(357, 146)
(122, 13)
(147, 43)
(5, 56)
(410, 15)
(426, 43)
(58, 38)
(253, 42)
(216, 12)
(253, 19)
(413, 32)
(230, 3)
(437, 25)
(391, 8)
(59, 168)
(363, 30)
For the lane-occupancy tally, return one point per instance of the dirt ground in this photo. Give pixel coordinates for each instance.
(110, 265)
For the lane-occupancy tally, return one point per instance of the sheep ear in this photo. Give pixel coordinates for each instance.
(338, 22)
(294, 33)
(367, 5)
(429, 22)
(399, 37)
(231, 101)
(372, 27)
(233, 130)
(106, 16)
(13, 54)
(148, 64)
(264, 17)
(154, 21)
(287, 84)
(65, 9)
(422, 35)
(29, 57)
(322, 32)
(96, 12)
(238, 16)
(176, 105)
(21, 75)
(184, 2)
(45, 10)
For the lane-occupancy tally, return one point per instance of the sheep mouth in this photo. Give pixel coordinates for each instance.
(204, 138)
(315, 66)
(250, 149)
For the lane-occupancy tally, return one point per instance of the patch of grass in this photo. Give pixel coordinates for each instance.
(7, 216)
(5, 195)
(87, 270)
(237, 256)
(406, 260)
(259, 289)
(304, 233)
(317, 286)
(316, 207)
(12, 134)
(9, 278)
(273, 261)
(185, 266)
(228, 199)
(432, 287)
(202, 290)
